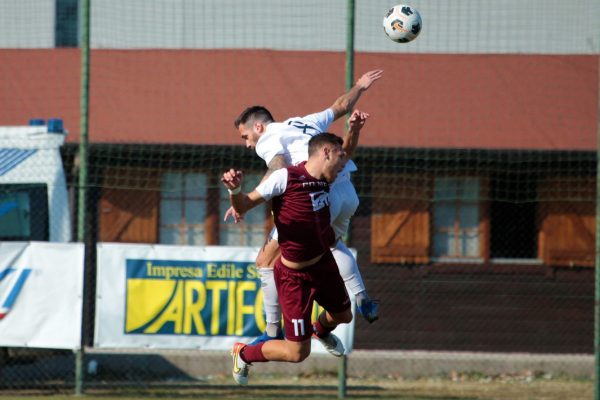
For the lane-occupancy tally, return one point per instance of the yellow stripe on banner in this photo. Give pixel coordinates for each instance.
(145, 299)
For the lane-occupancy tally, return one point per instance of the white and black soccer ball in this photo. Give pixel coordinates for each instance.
(402, 23)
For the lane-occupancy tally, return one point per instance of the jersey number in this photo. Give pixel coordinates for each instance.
(298, 327)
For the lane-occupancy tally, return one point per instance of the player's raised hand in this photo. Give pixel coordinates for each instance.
(357, 120)
(232, 179)
(368, 78)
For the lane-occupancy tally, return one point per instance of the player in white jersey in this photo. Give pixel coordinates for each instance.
(282, 144)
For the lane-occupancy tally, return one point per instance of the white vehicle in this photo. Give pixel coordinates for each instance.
(34, 204)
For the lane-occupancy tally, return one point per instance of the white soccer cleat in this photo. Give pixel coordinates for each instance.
(240, 367)
(332, 344)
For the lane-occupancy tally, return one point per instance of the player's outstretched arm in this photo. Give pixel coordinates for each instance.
(241, 202)
(345, 103)
(355, 124)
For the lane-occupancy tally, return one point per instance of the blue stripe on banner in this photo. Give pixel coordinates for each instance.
(16, 289)
(11, 158)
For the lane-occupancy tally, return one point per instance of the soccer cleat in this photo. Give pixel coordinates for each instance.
(332, 344)
(369, 309)
(240, 367)
(265, 338)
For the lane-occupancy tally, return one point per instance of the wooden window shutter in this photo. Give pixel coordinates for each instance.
(567, 222)
(129, 206)
(400, 221)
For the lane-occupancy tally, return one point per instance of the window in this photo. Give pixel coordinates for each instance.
(175, 207)
(188, 216)
(456, 218)
(249, 232)
(24, 212)
(513, 217)
(183, 208)
(504, 219)
(66, 23)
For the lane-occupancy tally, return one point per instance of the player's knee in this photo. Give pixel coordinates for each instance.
(299, 355)
(262, 260)
(345, 317)
(268, 255)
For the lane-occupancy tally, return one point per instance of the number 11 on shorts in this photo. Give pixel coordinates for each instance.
(298, 327)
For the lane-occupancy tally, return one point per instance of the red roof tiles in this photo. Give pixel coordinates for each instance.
(427, 101)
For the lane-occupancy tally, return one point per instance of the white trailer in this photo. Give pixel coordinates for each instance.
(34, 202)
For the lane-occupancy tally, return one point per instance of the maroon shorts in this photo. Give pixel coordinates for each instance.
(297, 289)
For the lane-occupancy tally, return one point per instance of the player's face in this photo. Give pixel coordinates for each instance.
(250, 133)
(335, 162)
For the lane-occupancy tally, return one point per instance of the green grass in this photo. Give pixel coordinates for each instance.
(462, 387)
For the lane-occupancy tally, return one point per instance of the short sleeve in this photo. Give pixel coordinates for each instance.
(274, 186)
(269, 146)
(321, 120)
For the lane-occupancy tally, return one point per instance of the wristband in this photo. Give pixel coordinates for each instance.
(235, 191)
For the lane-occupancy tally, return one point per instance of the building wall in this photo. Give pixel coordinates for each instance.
(516, 308)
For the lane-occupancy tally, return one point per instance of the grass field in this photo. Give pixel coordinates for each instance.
(454, 388)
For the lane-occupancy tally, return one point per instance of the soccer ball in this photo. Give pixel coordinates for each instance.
(402, 23)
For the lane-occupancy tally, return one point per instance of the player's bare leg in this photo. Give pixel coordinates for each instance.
(325, 324)
(287, 350)
(273, 350)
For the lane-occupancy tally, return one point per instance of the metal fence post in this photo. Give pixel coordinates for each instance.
(83, 166)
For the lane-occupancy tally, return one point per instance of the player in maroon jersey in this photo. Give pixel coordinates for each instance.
(306, 270)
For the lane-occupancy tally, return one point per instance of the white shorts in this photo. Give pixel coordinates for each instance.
(343, 202)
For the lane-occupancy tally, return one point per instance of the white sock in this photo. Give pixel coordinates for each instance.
(361, 297)
(270, 298)
(348, 269)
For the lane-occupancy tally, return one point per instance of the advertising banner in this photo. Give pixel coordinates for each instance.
(160, 296)
(41, 291)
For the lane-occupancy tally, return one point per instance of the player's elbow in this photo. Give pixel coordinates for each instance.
(340, 108)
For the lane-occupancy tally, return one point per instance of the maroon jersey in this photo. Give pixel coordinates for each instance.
(302, 216)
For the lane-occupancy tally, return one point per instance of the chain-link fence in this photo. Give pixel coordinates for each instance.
(476, 177)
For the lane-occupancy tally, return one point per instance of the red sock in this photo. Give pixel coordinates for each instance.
(253, 353)
(320, 329)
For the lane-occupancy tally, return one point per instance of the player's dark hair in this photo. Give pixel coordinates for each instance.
(256, 113)
(322, 139)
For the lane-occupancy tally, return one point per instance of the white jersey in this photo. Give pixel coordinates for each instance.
(290, 139)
